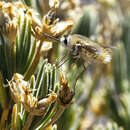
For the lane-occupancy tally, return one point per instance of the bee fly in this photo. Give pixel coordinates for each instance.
(80, 47)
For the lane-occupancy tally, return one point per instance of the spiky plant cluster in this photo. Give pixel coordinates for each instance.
(30, 91)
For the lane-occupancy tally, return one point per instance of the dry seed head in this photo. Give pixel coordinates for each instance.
(65, 95)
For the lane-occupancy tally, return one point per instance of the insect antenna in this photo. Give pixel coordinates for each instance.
(51, 37)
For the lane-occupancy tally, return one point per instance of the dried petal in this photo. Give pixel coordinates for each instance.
(35, 21)
(61, 27)
(46, 101)
(46, 47)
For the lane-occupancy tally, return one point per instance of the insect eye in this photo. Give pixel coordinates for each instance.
(65, 41)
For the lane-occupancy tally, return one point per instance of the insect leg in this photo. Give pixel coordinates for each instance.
(78, 76)
(60, 61)
(64, 60)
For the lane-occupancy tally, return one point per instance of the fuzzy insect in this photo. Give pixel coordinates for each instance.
(83, 48)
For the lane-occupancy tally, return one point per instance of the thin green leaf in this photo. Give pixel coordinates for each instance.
(39, 80)
(30, 58)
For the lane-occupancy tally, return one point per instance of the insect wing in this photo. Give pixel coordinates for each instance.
(87, 44)
(94, 51)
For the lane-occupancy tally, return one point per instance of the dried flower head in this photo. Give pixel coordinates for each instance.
(16, 87)
(9, 16)
(22, 93)
(52, 26)
(35, 107)
(8, 20)
(65, 95)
